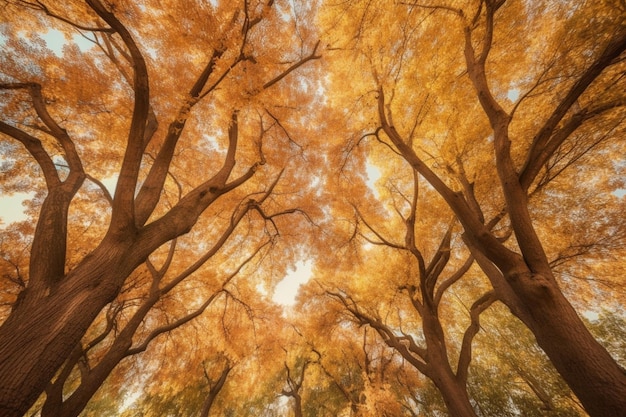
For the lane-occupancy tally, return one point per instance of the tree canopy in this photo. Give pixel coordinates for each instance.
(453, 171)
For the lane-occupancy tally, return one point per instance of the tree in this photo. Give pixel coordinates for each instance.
(179, 156)
(128, 340)
(411, 322)
(349, 372)
(439, 109)
(79, 134)
(523, 382)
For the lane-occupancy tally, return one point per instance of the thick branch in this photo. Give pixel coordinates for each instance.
(36, 149)
(123, 216)
(612, 50)
(150, 191)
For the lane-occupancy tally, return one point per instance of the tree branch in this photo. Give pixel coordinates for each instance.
(123, 214)
(465, 356)
(40, 6)
(538, 151)
(477, 231)
(293, 67)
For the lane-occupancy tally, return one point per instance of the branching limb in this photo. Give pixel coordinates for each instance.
(215, 388)
(435, 267)
(537, 158)
(482, 236)
(382, 240)
(539, 150)
(123, 215)
(36, 149)
(404, 344)
(311, 56)
(441, 289)
(171, 326)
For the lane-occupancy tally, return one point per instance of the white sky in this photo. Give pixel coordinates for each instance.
(287, 289)
(12, 209)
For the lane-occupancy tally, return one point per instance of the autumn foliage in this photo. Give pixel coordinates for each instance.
(452, 170)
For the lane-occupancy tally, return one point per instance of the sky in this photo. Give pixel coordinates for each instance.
(12, 209)
(286, 290)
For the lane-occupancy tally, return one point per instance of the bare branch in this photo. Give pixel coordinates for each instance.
(103, 188)
(383, 241)
(293, 67)
(171, 326)
(612, 50)
(441, 289)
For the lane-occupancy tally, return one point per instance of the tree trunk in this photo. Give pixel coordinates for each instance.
(42, 331)
(453, 391)
(587, 367)
(454, 395)
(298, 405)
(214, 390)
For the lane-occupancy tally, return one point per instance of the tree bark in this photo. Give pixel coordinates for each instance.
(41, 331)
(454, 396)
(587, 367)
(452, 389)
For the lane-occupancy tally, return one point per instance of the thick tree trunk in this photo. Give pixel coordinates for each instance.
(586, 366)
(41, 332)
(590, 371)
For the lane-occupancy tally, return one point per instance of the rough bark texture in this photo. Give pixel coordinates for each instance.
(41, 332)
(590, 371)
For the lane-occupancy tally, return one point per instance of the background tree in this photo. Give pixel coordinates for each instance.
(98, 112)
(416, 276)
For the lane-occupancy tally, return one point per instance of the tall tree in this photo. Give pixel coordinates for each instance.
(99, 114)
(485, 85)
